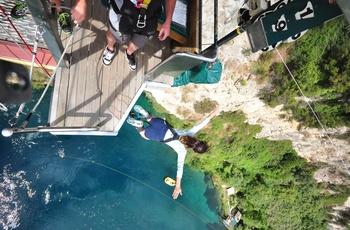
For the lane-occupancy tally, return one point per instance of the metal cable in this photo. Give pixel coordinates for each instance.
(25, 122)
(24, 42)
(13, 121)
(3, 107)
(13, 39)
(314, 113)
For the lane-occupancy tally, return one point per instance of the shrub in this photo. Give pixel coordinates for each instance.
(204, 106)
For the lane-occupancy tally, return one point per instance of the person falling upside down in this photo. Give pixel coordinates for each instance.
(159, 130)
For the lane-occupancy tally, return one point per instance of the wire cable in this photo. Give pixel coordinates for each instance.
(24, 42)
(14, 40)
(62, 155)
(13, 121)
(25, 122)
(314, 113)
(3, 107)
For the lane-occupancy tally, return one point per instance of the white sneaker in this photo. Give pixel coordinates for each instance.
(108, 56)
(133, 122)
(141, 111)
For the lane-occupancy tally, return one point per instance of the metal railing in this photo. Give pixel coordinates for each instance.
(7, 132)
(179, 63)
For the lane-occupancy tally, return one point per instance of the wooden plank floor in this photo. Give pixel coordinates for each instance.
(88, 94)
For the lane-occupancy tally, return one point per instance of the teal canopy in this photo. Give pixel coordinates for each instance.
(205, 73)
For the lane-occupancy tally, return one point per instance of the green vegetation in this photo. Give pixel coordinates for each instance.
(204, 106)
(159, 111)
(319, 61)
(39, 77)
(246, 52)
(276, 186)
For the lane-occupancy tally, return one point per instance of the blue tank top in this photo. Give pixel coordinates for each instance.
(157, 129)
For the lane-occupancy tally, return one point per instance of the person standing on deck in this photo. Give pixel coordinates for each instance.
(179, 140)
(136, 21)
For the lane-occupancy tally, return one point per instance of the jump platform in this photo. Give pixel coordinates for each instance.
(88, 94)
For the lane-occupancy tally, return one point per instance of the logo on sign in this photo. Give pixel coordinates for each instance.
(281, 24)
(307, 12)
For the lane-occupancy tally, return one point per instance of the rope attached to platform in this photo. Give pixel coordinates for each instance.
(13, 121)
(25, 122)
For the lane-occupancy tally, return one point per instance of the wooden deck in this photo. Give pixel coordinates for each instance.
(87, 94)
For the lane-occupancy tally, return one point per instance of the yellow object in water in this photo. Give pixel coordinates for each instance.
(169, 181)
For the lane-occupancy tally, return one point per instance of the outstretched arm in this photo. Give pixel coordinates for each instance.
(199, 126)
(214, 112)
(78, 11)
(165, 30)
(181, 155)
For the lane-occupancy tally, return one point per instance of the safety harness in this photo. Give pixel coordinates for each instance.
(142, 5)
(175, 135)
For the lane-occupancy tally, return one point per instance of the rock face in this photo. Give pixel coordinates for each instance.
(238, 89)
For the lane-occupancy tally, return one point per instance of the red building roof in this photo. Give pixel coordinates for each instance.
(21, 54)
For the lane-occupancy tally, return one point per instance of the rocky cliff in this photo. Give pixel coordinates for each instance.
(239, 89)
